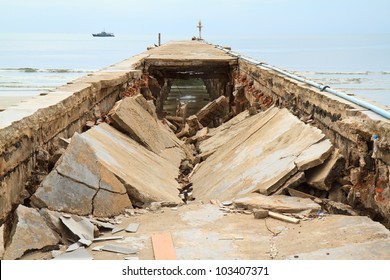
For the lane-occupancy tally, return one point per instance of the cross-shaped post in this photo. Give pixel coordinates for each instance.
(200, 29)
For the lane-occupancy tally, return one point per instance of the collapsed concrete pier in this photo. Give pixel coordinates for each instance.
(103, 147)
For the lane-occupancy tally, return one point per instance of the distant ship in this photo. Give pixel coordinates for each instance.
(103, 34)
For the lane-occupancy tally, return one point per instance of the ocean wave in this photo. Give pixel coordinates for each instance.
(336, 73)
(43, 70)
(342, 73)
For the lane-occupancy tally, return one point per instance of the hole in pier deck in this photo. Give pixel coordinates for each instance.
(192, 91)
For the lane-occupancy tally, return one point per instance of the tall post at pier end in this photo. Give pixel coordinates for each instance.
(159, 39)
(200, 30)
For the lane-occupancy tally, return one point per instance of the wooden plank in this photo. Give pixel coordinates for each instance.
(163, 246)
(283, 217)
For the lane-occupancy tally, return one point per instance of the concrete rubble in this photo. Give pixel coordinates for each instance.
(95, 176)
(213, 110)
(130, 117)
(28, 231)
(277, 203)
(261, 158)
(80, 184)
(324, 175)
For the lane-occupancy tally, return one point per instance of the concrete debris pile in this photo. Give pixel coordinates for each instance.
(65, 235)
(103, 173)
(251, 157)
(250, 162)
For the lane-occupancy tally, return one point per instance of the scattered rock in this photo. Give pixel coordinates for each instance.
(155, 206)
(260, 214)
(276, 203)
(28, 231)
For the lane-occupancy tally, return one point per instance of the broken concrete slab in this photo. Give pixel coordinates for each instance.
(79, 254)
(117, 229)
(322, 176)
(60, 193)
(119, 249)
(131, 118)
(137, 168)
(132, 227)
(73, 247)
(292, 183)
(212, 111)
(81, 185)
(260, 159)
(276, 203)
(225, 132)
(27, 231)
(108, 204)
(148, 105)
(101, 224)
(314, 155)
(52, 219)
(80, 227)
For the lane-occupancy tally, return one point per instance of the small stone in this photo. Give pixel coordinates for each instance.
(260, 214)
(227, 203)
(154, 206)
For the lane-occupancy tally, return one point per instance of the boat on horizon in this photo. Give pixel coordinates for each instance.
(103, 34)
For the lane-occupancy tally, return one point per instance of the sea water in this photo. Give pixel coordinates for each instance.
(360, 64)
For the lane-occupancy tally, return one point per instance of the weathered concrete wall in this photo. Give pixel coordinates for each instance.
(34, 127)
(351, 129)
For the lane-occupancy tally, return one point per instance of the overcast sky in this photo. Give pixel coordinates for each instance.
(178, 18)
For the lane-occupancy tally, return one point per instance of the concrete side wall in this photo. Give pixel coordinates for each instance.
(31, 130)
(347, 125)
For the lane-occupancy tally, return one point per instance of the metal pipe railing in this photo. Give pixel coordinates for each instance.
(369, 106)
